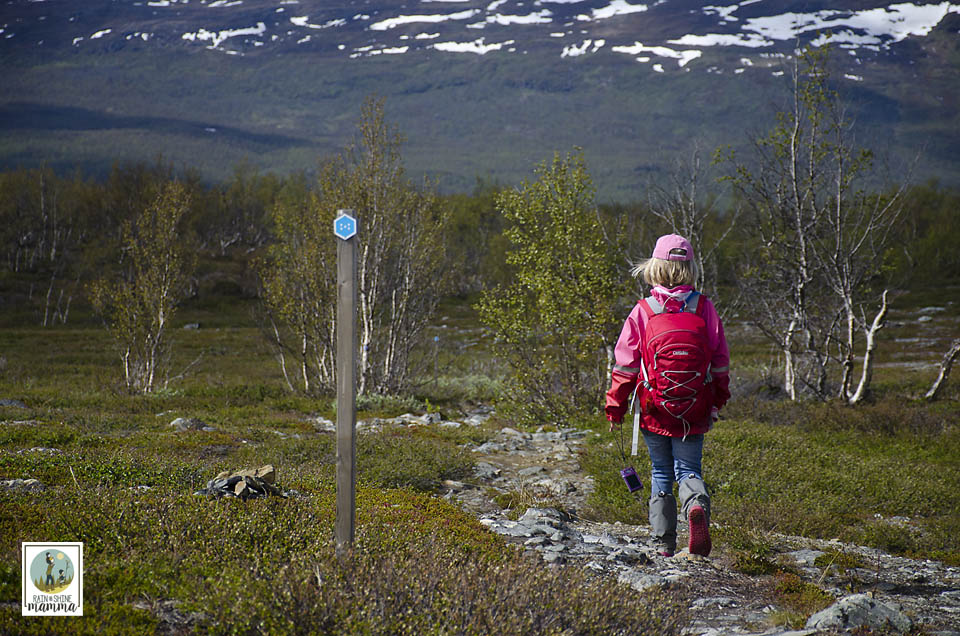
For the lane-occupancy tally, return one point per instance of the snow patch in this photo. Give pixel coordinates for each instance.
(390, 23)
(587, 46)
(100, 34)
(304, 21)
(219, 37)
(477, 46)
(683, 57)
(615, 8)
(748, 40)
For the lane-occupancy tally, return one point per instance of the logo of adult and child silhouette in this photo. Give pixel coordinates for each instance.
(52, 572)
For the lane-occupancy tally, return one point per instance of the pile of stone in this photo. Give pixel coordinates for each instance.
(245, 484)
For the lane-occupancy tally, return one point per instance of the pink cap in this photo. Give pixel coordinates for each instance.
(673, 247)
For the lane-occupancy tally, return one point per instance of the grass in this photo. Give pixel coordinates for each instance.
(809, 478)
(118, 478)
(122, 480)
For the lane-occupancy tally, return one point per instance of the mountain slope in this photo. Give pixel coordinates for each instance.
(479, 88)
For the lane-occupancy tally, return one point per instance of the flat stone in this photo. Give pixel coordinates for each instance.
(490, 447)
(552, 557)
(17, 404)
(541, 514)
(805, 558)
(531, 471)
(713, 601)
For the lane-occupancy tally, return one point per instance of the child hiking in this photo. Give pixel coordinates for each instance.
(672, 358)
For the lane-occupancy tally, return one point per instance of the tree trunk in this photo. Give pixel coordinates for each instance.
(945, 368)
(866, 375)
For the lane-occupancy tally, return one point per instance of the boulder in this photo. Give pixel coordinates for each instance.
(858, 611)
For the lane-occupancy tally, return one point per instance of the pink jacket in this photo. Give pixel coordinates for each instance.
(628, 361)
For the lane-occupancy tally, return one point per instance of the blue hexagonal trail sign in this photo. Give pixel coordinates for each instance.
(344, 226)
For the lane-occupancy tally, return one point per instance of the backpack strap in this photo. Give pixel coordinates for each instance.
(691, 305)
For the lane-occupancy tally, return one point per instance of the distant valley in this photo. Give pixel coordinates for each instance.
(480, 89)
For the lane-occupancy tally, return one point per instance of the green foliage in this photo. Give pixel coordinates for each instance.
(139, 306)
(555, 320)
(401, 268)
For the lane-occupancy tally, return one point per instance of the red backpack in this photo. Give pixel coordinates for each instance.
(676, 361)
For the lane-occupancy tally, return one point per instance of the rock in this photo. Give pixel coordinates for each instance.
(476, 419)
(485, 471)
(324, 424)
(490, 447)
(450, 424)
(17, 404)
(718, 601)
(191, 325)
(857, 611)
(431, 418)
(39, 449)
(183, 424)
(640, 581)
(541, 514)
(552, 557)
(805, 558)
(21, 485)
(531, 471)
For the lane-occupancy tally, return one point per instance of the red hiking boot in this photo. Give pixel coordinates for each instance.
(699, 532)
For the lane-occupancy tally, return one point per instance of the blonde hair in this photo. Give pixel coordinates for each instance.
(658, 271)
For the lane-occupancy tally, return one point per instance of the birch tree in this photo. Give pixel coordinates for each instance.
(556, 322)
(820, 238)
(688, 209)
(139, 304)
(401, 273)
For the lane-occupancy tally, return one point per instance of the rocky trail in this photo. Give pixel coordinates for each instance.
(891, 594)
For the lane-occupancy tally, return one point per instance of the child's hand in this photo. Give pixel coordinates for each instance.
(614, 426)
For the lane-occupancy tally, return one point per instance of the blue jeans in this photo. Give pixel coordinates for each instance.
(673, 460)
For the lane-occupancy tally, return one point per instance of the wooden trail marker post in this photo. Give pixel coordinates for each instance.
(345, 229)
